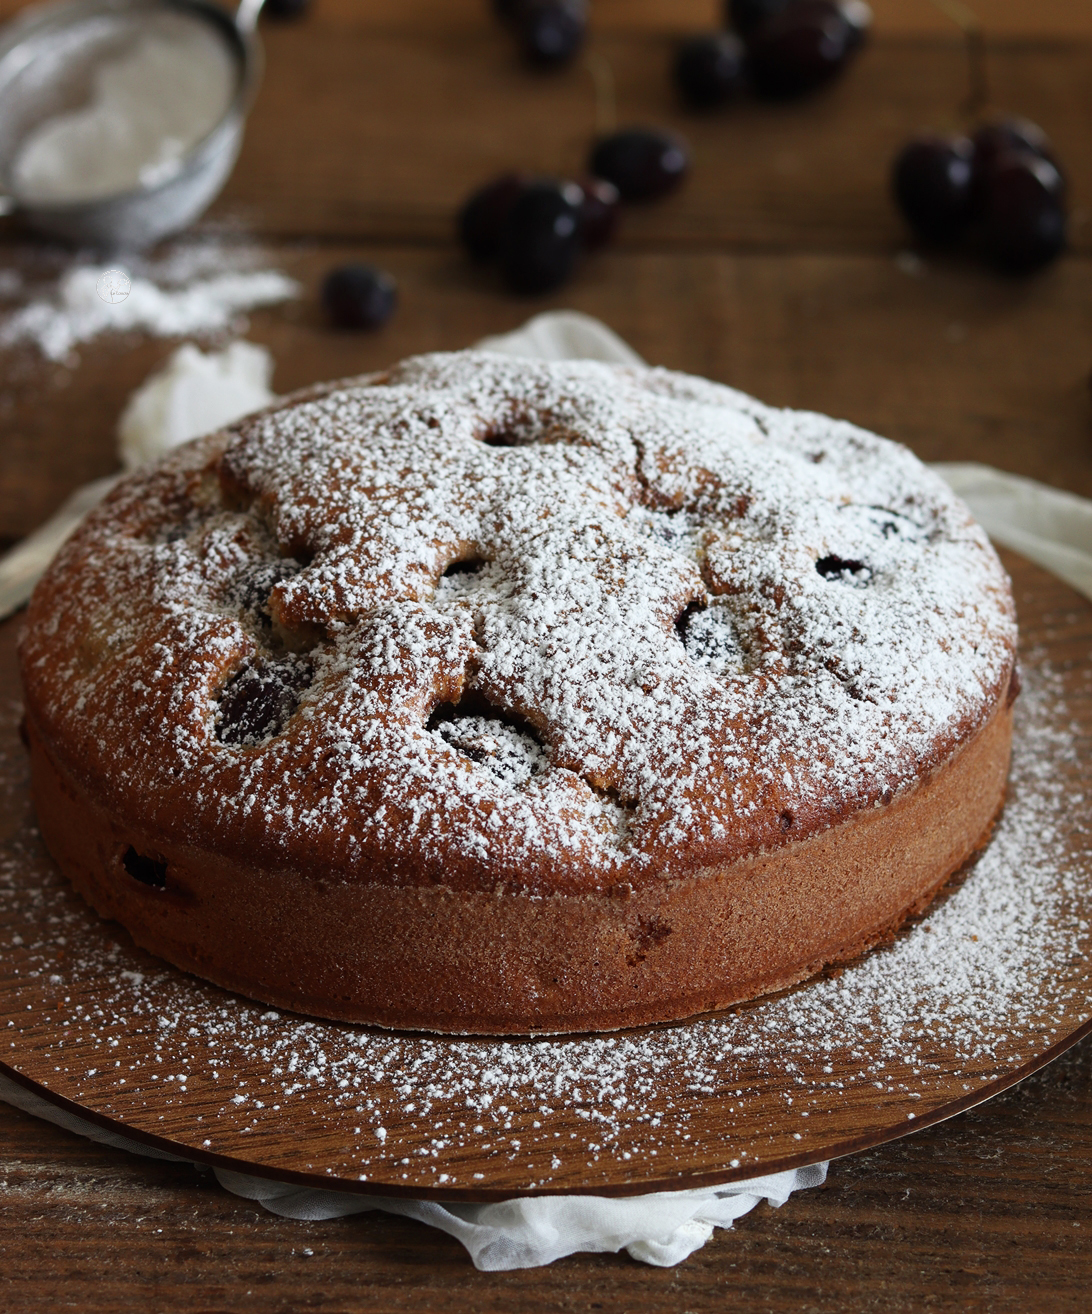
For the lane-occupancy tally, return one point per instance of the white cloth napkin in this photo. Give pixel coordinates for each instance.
(1048, 526)
(1051, 527)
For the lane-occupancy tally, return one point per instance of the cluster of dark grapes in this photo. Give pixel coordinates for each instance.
(537, 229)
(777, 48)
(1001, 189)
(548, 32)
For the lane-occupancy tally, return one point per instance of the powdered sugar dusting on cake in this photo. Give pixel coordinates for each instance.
(701, 614)
(989, 980)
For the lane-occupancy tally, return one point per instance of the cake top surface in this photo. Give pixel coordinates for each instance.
(497, 623)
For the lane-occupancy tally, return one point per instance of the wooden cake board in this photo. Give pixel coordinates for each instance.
(993, 982)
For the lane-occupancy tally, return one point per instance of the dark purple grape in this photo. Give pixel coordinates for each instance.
(550, 32)
(599, 212)
(482, 220)
(745, 15)
(1012, 134)
(709, 69)
(542, 237)
(932, 183)
(260, 699)
(1022, 218)
(285, 8)
(643, 163)
(359, 296)
(799, 49)
(1001, 137)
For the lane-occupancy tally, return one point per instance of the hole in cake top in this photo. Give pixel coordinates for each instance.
(149, 871)
(468, 566)
(501, 741)
(260, 698)
(840, 568)
(283, 541)
(611, 794)
(302, 554)
(506, 438)
(710, 637)
(682, 624)
(529, 429)
(467, 581)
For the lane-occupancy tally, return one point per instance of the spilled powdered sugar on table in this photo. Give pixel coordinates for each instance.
(992, 977)
(198, 286)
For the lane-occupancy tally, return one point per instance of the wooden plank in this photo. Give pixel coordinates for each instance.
(957, 363)
(369, 135)
(989, 1211)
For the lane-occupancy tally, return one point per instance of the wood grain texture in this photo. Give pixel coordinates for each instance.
(345, 140)
(369, 129)
(989, 1212)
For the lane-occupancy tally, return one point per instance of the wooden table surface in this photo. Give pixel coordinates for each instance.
(782, 269)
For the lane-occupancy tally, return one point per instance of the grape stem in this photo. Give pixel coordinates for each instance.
(978, 87)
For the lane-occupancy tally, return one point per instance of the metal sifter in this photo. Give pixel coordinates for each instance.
(50, 57)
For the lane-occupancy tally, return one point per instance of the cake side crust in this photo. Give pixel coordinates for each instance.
(429, 958)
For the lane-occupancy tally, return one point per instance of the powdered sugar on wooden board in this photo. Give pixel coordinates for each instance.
(995, 975)
(700, 625)
(198, 287)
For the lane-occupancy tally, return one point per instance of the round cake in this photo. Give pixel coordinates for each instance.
(504, 696)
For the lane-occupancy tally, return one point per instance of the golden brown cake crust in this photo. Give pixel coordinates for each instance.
(491, 695)
(435, 959)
